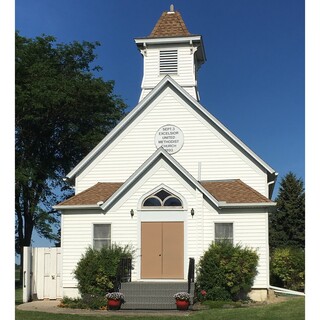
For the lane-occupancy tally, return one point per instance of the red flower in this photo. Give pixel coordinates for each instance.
(203, 292)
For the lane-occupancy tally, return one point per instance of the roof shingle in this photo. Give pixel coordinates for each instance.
(170, 24)
(101, 191)
(229, 191)
(233, 191)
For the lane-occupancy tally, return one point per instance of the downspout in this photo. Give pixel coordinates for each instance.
(270, 183)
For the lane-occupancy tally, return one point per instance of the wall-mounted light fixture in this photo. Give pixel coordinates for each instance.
(192, 212)
(132, 213)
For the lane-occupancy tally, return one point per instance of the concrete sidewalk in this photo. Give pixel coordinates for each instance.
(51, 306)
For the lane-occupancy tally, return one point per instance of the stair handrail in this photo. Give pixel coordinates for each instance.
(124, 272)
(190, 273)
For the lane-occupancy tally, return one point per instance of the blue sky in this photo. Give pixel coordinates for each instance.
(253, 80)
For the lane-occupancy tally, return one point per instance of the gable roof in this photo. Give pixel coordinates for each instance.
(142, 105)
(170, 24)
(227, 193)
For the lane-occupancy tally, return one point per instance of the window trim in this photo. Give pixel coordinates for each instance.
(161, 207)
(93, 238)
(184, 202)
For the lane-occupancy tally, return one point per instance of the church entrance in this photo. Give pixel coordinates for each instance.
(162, 250)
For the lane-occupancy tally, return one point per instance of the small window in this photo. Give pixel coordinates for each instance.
(223, 232)
(168, 61)
(101, 236)
(162, 194)
(152, 202)
(162, 198)
(173, 202)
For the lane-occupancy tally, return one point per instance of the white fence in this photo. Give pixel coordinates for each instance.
(41, 273)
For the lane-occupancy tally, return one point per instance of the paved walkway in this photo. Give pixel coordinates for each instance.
(51, 306)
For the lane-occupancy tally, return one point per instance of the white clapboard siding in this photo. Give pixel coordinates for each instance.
(250, 230)
(202, 144)
(78, 226)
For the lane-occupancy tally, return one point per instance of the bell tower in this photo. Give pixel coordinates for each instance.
(172, 50)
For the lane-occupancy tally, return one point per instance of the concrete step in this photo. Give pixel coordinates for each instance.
(152, 295)
(141, 285)
(148, 306)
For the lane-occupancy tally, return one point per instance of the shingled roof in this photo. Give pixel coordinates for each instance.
(234, 191)
(170, 24)
(229, 191)
(101, 191)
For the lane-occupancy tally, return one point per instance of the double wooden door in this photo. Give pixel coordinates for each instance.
(162, 250)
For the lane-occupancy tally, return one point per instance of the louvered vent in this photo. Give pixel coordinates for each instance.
(168, 61)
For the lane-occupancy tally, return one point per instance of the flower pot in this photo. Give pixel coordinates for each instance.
(114, 304)
(182, 304)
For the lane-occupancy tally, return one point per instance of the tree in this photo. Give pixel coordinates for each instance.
(287, 223)
(62, 111)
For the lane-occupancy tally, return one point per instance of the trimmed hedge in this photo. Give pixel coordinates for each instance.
(227, 272)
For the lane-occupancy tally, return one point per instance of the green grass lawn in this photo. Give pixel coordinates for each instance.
(18, 293)
(293, 309)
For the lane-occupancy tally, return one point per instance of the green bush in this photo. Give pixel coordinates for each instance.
(227, 272)
(97, 270)
(73, 303)
(88, 301)
(287, 268)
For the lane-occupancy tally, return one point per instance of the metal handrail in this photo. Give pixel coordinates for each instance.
(190, 273)
(124, 272)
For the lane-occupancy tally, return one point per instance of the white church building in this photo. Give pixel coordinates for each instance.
(170, 178)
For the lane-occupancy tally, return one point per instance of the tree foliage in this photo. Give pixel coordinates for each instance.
(62, 111)
(287, 223)
(287, 268)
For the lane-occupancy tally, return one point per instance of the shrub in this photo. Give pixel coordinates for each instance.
(88, 301)
(287, 268)
(227, 272)
(97, 270)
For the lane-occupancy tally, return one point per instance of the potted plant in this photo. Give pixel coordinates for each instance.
(182, 300)
(115, 299)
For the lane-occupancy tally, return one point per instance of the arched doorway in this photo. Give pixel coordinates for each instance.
(162, 242)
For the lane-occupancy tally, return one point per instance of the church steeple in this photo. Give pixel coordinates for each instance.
(171, 49)
(170, 24)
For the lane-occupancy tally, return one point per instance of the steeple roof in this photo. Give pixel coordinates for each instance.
(170, 24)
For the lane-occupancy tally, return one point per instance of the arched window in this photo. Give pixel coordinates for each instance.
(162, 198)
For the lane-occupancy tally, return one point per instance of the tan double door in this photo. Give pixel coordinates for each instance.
(162, 250)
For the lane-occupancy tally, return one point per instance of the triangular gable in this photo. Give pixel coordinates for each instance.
(145, 167)
(168, 81)
(221, 194)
